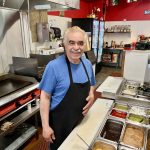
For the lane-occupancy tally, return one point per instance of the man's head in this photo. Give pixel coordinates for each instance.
(74, 42)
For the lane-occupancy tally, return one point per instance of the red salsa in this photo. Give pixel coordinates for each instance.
(119, 114)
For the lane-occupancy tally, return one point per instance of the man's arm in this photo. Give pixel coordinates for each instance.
(48, 132)
(90, 100)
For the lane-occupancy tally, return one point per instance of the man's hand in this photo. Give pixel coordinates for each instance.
(90, 100)
(48, 134)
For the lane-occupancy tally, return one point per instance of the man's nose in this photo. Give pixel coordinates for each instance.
(76, 46)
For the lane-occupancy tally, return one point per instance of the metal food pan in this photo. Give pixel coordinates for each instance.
(133, 136)
(117, 119)
(137, 119)
(121, 106)
(148, 122)
(130, 84)
(148, 112)
(103, 145)
(118, 114)
(147, 145)
(112, 130)
(122, 147)
(138, 110)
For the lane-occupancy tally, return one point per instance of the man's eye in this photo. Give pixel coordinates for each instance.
(71, 42)
(81, 43)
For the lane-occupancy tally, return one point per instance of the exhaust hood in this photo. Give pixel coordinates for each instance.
(33, 5)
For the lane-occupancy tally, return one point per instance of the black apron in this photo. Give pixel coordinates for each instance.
(69, 112)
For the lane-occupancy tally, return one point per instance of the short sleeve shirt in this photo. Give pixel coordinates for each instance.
(56, 81)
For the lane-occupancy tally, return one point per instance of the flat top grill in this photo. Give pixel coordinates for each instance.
(9, 85)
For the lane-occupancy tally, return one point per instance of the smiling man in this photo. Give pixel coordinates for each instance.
(67, 89)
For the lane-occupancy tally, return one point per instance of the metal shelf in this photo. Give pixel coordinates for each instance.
(117, 32)
(8, 143)
(21, 118)
(112, 52)
(112, 64)
(7, 115)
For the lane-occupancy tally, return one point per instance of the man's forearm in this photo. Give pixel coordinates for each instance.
(44, 109)
(92, 88)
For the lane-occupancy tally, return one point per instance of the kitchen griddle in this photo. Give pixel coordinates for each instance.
(9, 85)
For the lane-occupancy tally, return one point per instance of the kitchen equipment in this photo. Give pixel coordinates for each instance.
(51, 5)
(56, 32)
(91, 56)
(25, 66)
(142, 45)
(42, 60)
(42, 32)
(14, 86)
(55, 44)
(10, 85)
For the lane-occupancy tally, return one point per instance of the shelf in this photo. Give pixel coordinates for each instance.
(14, 141)
(117, 32)
(7, 115)
(115, 57)
(21, 118)
(114, 50)
(110, 64)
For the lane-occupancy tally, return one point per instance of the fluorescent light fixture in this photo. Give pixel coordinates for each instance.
(41, 7)
(63, 6)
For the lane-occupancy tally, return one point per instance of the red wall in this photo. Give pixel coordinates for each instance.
(128, 11)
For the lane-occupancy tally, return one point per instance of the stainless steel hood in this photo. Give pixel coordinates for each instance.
(9, 10)
(33, 5)
(7, 19)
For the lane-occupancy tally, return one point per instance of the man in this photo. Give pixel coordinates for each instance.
(67, 89)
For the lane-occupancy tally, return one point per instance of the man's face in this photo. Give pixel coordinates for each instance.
(74, 46)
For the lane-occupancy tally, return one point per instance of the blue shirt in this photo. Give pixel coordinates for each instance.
(56, 81)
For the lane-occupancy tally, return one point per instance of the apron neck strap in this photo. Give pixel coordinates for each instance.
(85, 69)
(69, 69)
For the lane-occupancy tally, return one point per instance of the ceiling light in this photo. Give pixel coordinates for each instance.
(42, 7)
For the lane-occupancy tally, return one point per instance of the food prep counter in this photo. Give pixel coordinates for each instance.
(113, 124)
(127, 128)
(127, 125)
